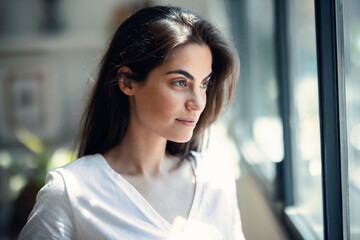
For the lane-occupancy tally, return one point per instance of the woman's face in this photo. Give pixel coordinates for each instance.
(170, 102)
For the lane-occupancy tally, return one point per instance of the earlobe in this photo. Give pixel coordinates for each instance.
(126, 83)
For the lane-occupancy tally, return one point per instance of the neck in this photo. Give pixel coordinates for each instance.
(139, 153)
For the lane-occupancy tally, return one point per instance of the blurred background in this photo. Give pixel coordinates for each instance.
(49, 56)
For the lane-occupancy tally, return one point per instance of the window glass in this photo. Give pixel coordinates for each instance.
(352, 88)
(257, 95)
(305, 130)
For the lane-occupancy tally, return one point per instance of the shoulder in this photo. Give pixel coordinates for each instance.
(52, 214)
(61, 180)
(83, 163)
(84, 175)
(66, 193)
(81, 168)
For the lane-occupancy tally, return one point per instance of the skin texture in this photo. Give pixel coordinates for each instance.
(165, 108)
(174, 91)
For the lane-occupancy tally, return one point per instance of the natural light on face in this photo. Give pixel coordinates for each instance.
(170, 102)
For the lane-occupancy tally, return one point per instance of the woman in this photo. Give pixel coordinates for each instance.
(139, 175)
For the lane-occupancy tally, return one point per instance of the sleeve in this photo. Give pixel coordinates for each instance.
(51, 217)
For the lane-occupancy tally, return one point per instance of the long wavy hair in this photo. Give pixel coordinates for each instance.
(142, 43)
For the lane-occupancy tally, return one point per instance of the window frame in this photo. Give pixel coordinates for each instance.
(328, 82)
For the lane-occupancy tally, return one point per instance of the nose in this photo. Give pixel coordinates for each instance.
(196, 100)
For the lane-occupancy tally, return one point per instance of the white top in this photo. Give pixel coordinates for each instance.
(87, 199)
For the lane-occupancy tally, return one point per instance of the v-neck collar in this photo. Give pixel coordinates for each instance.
(140, 201)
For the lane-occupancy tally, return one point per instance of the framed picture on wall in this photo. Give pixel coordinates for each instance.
(24, 98)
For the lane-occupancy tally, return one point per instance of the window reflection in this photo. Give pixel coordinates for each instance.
(305, 128)
(352, 88)
(261, 130)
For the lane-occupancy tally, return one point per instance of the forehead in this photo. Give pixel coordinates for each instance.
(190, 56)
(187, 50)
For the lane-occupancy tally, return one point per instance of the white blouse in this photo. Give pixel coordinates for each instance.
(87, 199)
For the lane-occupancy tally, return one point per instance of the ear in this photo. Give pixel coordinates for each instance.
(126, 83)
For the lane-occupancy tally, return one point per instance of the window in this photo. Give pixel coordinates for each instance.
(351, 51)
(257, 96)
(315, 46)
(304, 118)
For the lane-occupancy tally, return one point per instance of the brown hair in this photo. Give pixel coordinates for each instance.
(142, 43)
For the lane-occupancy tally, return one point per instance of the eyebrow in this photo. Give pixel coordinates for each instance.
(186, 74)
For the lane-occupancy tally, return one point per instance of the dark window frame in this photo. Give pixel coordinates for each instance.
(325, 23)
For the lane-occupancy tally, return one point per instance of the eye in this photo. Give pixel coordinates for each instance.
(206, 84)
(180, 83)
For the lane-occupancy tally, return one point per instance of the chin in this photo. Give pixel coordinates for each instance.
(181, 139)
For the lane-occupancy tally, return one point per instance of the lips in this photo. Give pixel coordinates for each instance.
(189, 122)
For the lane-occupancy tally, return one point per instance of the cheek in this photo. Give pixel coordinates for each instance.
(204, 101)
(161, 105)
